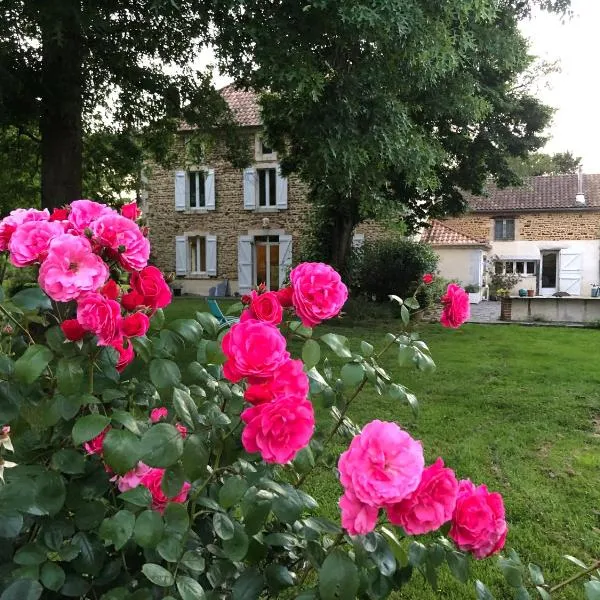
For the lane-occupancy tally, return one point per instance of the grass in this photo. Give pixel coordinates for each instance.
(516, 408)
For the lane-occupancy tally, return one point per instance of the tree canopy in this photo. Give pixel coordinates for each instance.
(540, 163)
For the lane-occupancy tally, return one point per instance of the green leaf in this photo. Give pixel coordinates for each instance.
(232, 491)
(383, 557)
(404, 314)
(544, 595)
(161, 446)
(68, 461)
(50, 494)
(366, 349)
(164, 373)
(10, 524)
(172, 480)
(188, 329)
(338, 343)
(537, 577)
(236, 548)
(31, 364)
(139, 496)
(91, 554)
(522, 594)
(512, 573)
(142, 347)
(278, 577)
(189, 589)
(30, 554)
(576, 561)
(126, 419)
(416, 553)
(352, 374)
(158, 320)
(23, 589)
(170, 548)
(148, 529)
(52, 576)
(223, 526)
(158, 575)
(311, 354)
(248, 586)
(209, 324)
(338, 577)
(195, 457)
(459, 565)
(69, 376)
(88, 427)
(482, 591)
(89, 514)
(121, 450)
(411, 303)
(75, 586)
(31, 299)
(194, 561)
(176, 519)
(592, 590)
(118, 529)
(185, 407)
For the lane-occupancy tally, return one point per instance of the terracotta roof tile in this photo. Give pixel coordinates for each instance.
(544, 192)
(442, 235)
(243, 104)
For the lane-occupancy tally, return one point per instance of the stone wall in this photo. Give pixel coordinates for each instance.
(566, 225)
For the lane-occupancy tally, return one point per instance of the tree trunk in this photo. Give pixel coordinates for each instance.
(62, 104)
(341, 241)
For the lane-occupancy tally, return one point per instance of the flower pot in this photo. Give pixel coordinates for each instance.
(530, 293)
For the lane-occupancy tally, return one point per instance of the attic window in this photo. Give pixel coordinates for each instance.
(504, 230)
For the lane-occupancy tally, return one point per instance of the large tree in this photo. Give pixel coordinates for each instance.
(541, 163)
(387, 106)
(64, 64)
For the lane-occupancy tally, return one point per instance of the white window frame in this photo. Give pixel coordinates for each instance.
(258, 150)
(198, 237)
(271, 202)
(525, 262)
(196, 174)
(504, 221)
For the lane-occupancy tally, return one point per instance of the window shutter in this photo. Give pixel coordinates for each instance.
(250, 189)
(282, 190)
(285, 257)
(181, 255)
(358, 241)
(245, 264)
(211, 255)
(510, 229)
(180, 181)
(570, 273)
(209, 190)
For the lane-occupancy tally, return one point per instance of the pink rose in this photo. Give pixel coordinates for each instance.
(253, 349)
(265, 307)
(131, 211)
(110, 289)
(126, 353)
(279, 429)
(158, 414)
(152, 481)
(17, 217)
(100, 315)
(59, 214)
(286, 297)
(427, 278)
(73, 330)
(30, 241)
(132, 301)
(430, 505)
(132, 478)
(71, 268)
(95, 446)
(151, 287)
(357, 518)
(288, 380)
(182, 430)
(383, 464)
(85, 212)
(478, 523)
(124, 239)
(456, 307)
(318, 292)
(135, 325)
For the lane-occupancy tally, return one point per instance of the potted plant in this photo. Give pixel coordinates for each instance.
(474, 292)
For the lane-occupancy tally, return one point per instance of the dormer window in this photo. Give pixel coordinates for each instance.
(263, 151)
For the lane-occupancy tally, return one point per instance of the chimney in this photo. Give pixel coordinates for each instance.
(580, 197)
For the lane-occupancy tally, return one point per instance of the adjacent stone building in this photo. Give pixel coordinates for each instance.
(547, 231)
(212, 222)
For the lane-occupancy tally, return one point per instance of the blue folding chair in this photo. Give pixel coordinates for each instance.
(215, 311)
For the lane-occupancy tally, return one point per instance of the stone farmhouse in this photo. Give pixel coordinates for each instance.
(213, 223)
(547, 231)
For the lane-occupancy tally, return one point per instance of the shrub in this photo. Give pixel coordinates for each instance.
(393, 266)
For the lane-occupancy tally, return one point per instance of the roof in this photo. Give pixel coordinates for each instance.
(544, 192)
(442, 235)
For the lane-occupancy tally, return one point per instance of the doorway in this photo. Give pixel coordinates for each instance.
(266, 261)
(549, 273)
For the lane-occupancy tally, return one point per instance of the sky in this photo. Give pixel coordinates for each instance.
(575, 91)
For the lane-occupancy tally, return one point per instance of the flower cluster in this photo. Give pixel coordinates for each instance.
(384, 469)
(281, 420)
(77, 248)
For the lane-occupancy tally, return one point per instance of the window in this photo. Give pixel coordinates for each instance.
(267, 187)
(521, 267)
(197, 254)
(264, 149)
(197, 189)
(504, 229)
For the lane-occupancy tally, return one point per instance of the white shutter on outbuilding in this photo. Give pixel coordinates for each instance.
(181, 255)
(245, 267)
(211, 255)
(180, 188)
(281, 200)
(570, 272)
(250, 188)
(209, 190)
(285, 257)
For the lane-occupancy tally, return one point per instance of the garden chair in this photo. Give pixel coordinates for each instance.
(215, 311)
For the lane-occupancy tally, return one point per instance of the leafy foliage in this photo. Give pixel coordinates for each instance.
(540, 163)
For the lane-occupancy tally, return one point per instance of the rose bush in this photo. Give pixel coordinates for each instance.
(142, 458)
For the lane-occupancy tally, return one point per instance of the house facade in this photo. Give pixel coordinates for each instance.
(547, 231)
(212, 223)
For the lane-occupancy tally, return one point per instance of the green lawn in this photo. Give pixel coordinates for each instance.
(514, 407)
